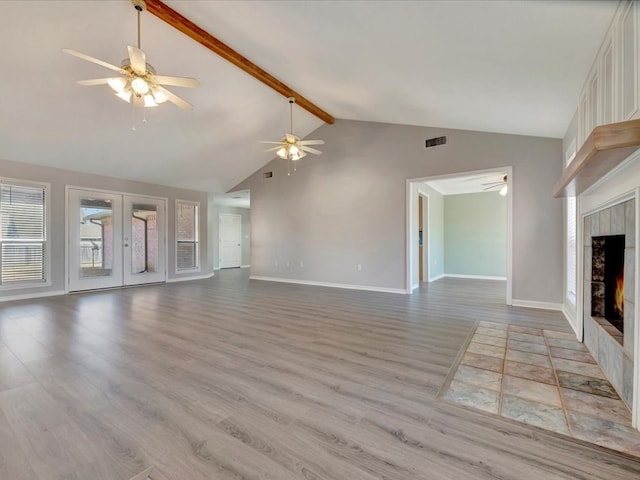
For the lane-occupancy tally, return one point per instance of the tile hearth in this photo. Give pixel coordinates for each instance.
(543, 378)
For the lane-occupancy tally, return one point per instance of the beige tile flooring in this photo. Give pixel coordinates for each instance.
(543, 378)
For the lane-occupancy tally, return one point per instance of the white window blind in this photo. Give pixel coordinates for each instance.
(23, 234)
(571, 264)
(187, 241)
(571, 250)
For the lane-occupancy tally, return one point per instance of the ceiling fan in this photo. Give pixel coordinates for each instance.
(137, 82)
(502, 184)
(291, 147)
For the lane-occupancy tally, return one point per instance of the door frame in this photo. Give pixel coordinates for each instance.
(113, 192)
(409, 215)
(220, 215)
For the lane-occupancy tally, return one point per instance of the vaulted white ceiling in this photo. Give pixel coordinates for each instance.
(513, 67)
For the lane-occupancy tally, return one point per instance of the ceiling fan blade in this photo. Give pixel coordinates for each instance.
(176, 100)
(267, 141)
(93, 60)
(176, 81)
(491, 187)
(291, 138)
(310, 150)
(493, 183)
(138, 60)
(311, 142)
(94, 81)
(273, 149)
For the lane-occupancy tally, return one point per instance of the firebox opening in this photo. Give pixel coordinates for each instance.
(607, 279)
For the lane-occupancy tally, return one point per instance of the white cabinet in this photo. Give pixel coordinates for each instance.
(608, 79)
(628, 28)
(611, 91)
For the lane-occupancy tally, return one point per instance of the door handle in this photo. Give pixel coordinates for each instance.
(126, 244)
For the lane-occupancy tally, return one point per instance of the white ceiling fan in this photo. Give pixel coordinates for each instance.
(291, 147)
(137, 81)
(502, 184)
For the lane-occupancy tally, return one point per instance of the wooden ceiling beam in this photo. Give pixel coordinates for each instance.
(186, 26)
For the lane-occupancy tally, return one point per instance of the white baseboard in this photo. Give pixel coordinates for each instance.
(433, 279)
(245, 266)
(415, 286)
(532, 304)
(474, 277)
(216, 269)
(328, 284)
(27, 296)
(186, 279)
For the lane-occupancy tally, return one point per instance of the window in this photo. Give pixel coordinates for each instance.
(570, 240)
(187, 237)
(23, 233)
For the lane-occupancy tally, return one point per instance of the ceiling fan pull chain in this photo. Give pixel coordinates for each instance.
(133, 115)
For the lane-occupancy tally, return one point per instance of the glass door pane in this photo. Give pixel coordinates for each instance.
(95, 240)
(144, 240)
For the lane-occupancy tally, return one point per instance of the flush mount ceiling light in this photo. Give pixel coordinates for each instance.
(138, 83)
(502, 184)
(291, 147)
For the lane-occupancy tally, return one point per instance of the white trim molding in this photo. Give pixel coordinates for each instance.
(245, 266)
(329, 284)
(433, 279)
(541, 305)
(186, 279)
(27, 296)
(473, 277)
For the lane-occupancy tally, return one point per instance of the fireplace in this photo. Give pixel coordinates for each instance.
(607, 279)
(609, 321)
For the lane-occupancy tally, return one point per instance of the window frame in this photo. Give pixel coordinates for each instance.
(196, 241)
(571, 244)
(29, 284)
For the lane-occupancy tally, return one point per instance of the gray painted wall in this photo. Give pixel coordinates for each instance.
(214, 224)
(475, 234)
(59, 178)
(347, 206)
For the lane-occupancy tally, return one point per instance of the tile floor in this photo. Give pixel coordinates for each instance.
(543, 378)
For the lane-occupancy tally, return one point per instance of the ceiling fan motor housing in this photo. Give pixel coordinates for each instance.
(139, 5)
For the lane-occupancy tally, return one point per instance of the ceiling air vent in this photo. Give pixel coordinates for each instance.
(434, 142)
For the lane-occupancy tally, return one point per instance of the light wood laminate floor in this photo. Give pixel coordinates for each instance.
(235, 379)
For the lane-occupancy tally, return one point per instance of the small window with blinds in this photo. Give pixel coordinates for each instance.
(187, 236)
(23, 234)
(571, 264)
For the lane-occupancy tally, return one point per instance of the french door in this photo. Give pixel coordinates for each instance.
(114, 239)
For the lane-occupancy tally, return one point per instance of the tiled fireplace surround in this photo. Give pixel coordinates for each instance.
(613, 351)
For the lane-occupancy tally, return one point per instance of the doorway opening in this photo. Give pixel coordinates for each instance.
(230, 229)
(459, 225)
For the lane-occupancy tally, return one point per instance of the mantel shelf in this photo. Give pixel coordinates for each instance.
(606, 147)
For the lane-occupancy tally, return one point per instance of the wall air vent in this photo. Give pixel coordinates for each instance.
(434, 142)
(267, 175)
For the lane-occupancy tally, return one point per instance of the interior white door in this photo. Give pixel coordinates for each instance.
(95, 239)
(230, 240)
(144, 240)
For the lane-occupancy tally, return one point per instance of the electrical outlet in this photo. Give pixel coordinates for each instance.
(359, 267)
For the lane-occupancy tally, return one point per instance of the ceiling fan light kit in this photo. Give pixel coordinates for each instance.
(291, 148)
(138, 83)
